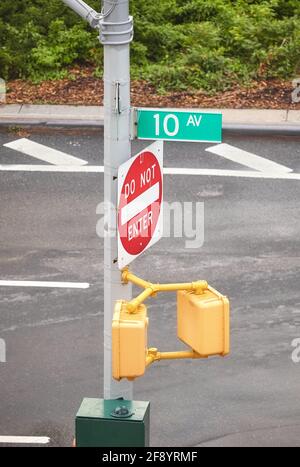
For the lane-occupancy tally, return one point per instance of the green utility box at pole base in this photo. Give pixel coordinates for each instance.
(113, 423)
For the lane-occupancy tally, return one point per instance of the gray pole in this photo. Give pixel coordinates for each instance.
(115, 35)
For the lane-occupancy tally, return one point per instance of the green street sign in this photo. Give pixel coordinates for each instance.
(178, 125)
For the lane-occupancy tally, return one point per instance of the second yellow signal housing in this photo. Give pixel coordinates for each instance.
(204, 322)
(129, 341)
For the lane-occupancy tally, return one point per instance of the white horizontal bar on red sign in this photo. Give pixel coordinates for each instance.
(140, 203)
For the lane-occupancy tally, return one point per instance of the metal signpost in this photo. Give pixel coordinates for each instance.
(116, 34)
(129, 420)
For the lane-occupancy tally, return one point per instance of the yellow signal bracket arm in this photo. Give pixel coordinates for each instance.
(153, 355)
(151, 290)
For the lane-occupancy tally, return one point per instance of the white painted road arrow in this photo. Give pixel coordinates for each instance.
(44, 153)
(247, 158)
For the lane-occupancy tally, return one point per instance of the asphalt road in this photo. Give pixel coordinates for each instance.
(54, 337)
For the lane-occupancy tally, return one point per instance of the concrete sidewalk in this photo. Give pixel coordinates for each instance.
(56, 115)
(247, 120)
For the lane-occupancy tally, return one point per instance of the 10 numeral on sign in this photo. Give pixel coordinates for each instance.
(171, 124)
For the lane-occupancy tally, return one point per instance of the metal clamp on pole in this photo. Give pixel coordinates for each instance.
(112, 33)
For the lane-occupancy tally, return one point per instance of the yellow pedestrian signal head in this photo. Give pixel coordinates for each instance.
(204, 322)
(129, 341)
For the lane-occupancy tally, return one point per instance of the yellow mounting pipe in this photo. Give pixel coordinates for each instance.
(133, 305)
(127, 276)
(192, 286)
(153, 355)
(151, 289)
(177, 355)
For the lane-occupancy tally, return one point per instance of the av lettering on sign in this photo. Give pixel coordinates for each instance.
(140, 194)
(179, 125)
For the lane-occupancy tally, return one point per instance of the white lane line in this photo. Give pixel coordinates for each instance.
(52, 168)
(24, 440)
(247, 158)
(231, 173)
(58, 285)
(167, 171)
(44, 153)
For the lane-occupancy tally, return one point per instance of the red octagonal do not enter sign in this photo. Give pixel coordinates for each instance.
(140, 194)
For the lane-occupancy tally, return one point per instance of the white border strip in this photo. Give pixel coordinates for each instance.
(44, 153)
(140, 203)
(24, 440)
(179, 140)
(175, 109)
(58, 285)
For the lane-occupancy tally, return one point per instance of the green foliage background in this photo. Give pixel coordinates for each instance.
(179, 44)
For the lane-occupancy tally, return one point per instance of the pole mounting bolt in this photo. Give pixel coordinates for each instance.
(122, 412)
